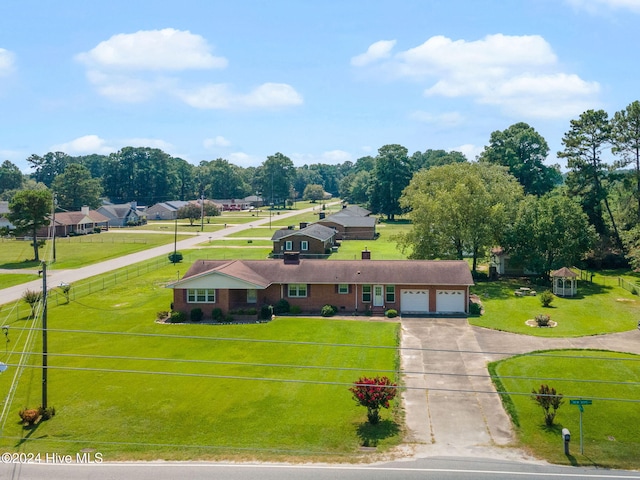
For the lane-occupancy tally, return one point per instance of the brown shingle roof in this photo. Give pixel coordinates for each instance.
(407, 272)
(564, 272)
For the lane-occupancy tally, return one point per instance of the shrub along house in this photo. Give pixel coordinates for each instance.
(310, 241)
(416, 287)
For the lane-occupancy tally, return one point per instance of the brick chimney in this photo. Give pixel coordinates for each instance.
(321, 216)
(366, 254)
(291, 258)
(303, 225)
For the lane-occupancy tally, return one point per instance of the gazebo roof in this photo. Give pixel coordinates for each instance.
(564, 272)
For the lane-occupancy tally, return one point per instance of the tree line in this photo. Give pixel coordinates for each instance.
(508, 196)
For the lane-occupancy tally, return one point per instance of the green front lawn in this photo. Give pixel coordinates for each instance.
(10, 279)
(75, 252)
(610, 428)
(598, 308)
(131, 388)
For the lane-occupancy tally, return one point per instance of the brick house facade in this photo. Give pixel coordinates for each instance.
(420, 287)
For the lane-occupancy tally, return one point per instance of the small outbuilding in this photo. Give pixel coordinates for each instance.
(565, 282)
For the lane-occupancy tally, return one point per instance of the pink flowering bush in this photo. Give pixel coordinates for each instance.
(374, 393)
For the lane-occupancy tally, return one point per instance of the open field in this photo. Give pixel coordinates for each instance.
(75, 252)
(598, 308)
(132, 388)
(612, 380)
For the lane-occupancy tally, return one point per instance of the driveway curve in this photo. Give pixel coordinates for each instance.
(451, 406)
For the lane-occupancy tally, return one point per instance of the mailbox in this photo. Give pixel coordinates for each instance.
(566, 437)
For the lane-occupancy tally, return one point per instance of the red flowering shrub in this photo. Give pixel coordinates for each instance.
(374, 393)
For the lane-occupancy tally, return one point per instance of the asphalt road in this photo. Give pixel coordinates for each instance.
(55, 277)
(435, 468)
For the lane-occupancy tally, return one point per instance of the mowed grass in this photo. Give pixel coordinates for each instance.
(10, 279)
(131, 388)
(382, 248)
(598, 308)
(75, 252)
(610, 429)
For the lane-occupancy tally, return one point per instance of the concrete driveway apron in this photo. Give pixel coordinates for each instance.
(437, 356)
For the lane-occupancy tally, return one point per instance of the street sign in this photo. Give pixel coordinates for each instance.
(580, 402)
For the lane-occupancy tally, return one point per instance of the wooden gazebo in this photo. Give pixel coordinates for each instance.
(565, 282)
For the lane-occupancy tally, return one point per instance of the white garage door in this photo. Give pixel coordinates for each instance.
(450, 301)
(414, 301)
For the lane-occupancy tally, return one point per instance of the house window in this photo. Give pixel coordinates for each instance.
(366, 293)
(297, 289)
(201, 295)
(390, 293)
(252, 295)
(304, 245)
(288, 245)
(343, 288)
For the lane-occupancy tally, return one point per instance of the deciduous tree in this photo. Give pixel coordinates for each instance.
(523, 151)
(549, 400)
(313, 192)
(10, 177)
(275, 178)
(75, 188)
(374, 393)
(391, 174)
(29, 211)
(549, 232)
(457, 209)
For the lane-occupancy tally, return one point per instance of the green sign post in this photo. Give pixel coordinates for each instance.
(580, 402)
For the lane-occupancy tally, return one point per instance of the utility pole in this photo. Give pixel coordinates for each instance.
(44, 335)
(53, 222)
(202, 212)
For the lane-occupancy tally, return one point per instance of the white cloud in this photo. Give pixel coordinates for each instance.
(446, 119)
(518, 74)
(217, 141)
(376, 51)
(87, 144)
(220, 96)
(592, 6)
(244, 159)
(6, 62)
(167, 49)
(331, 157)
(468, 150)
(141, 66)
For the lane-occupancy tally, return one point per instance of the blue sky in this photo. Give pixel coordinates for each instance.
(320, 81)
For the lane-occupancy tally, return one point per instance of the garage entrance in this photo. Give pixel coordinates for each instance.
(450, 301)
(414, 301)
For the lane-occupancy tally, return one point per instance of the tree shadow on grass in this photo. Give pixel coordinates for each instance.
(20, 265)
(371, 435)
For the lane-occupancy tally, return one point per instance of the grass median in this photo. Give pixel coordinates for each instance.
(611, 380)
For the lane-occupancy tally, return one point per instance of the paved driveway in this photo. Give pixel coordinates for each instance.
(445, 414)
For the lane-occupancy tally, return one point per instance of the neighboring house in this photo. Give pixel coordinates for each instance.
(122, 215)
(4, 222)
(75, 223)
(350, 227)
(355, 210)
(310, 241)
(165, 210)
(254, 200)
(418, 287)
(234, 204)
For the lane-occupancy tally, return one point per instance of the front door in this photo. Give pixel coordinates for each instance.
(378, 295)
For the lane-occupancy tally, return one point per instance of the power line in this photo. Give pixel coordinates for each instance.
(312, 382)
(327, 367)
(346, 345)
